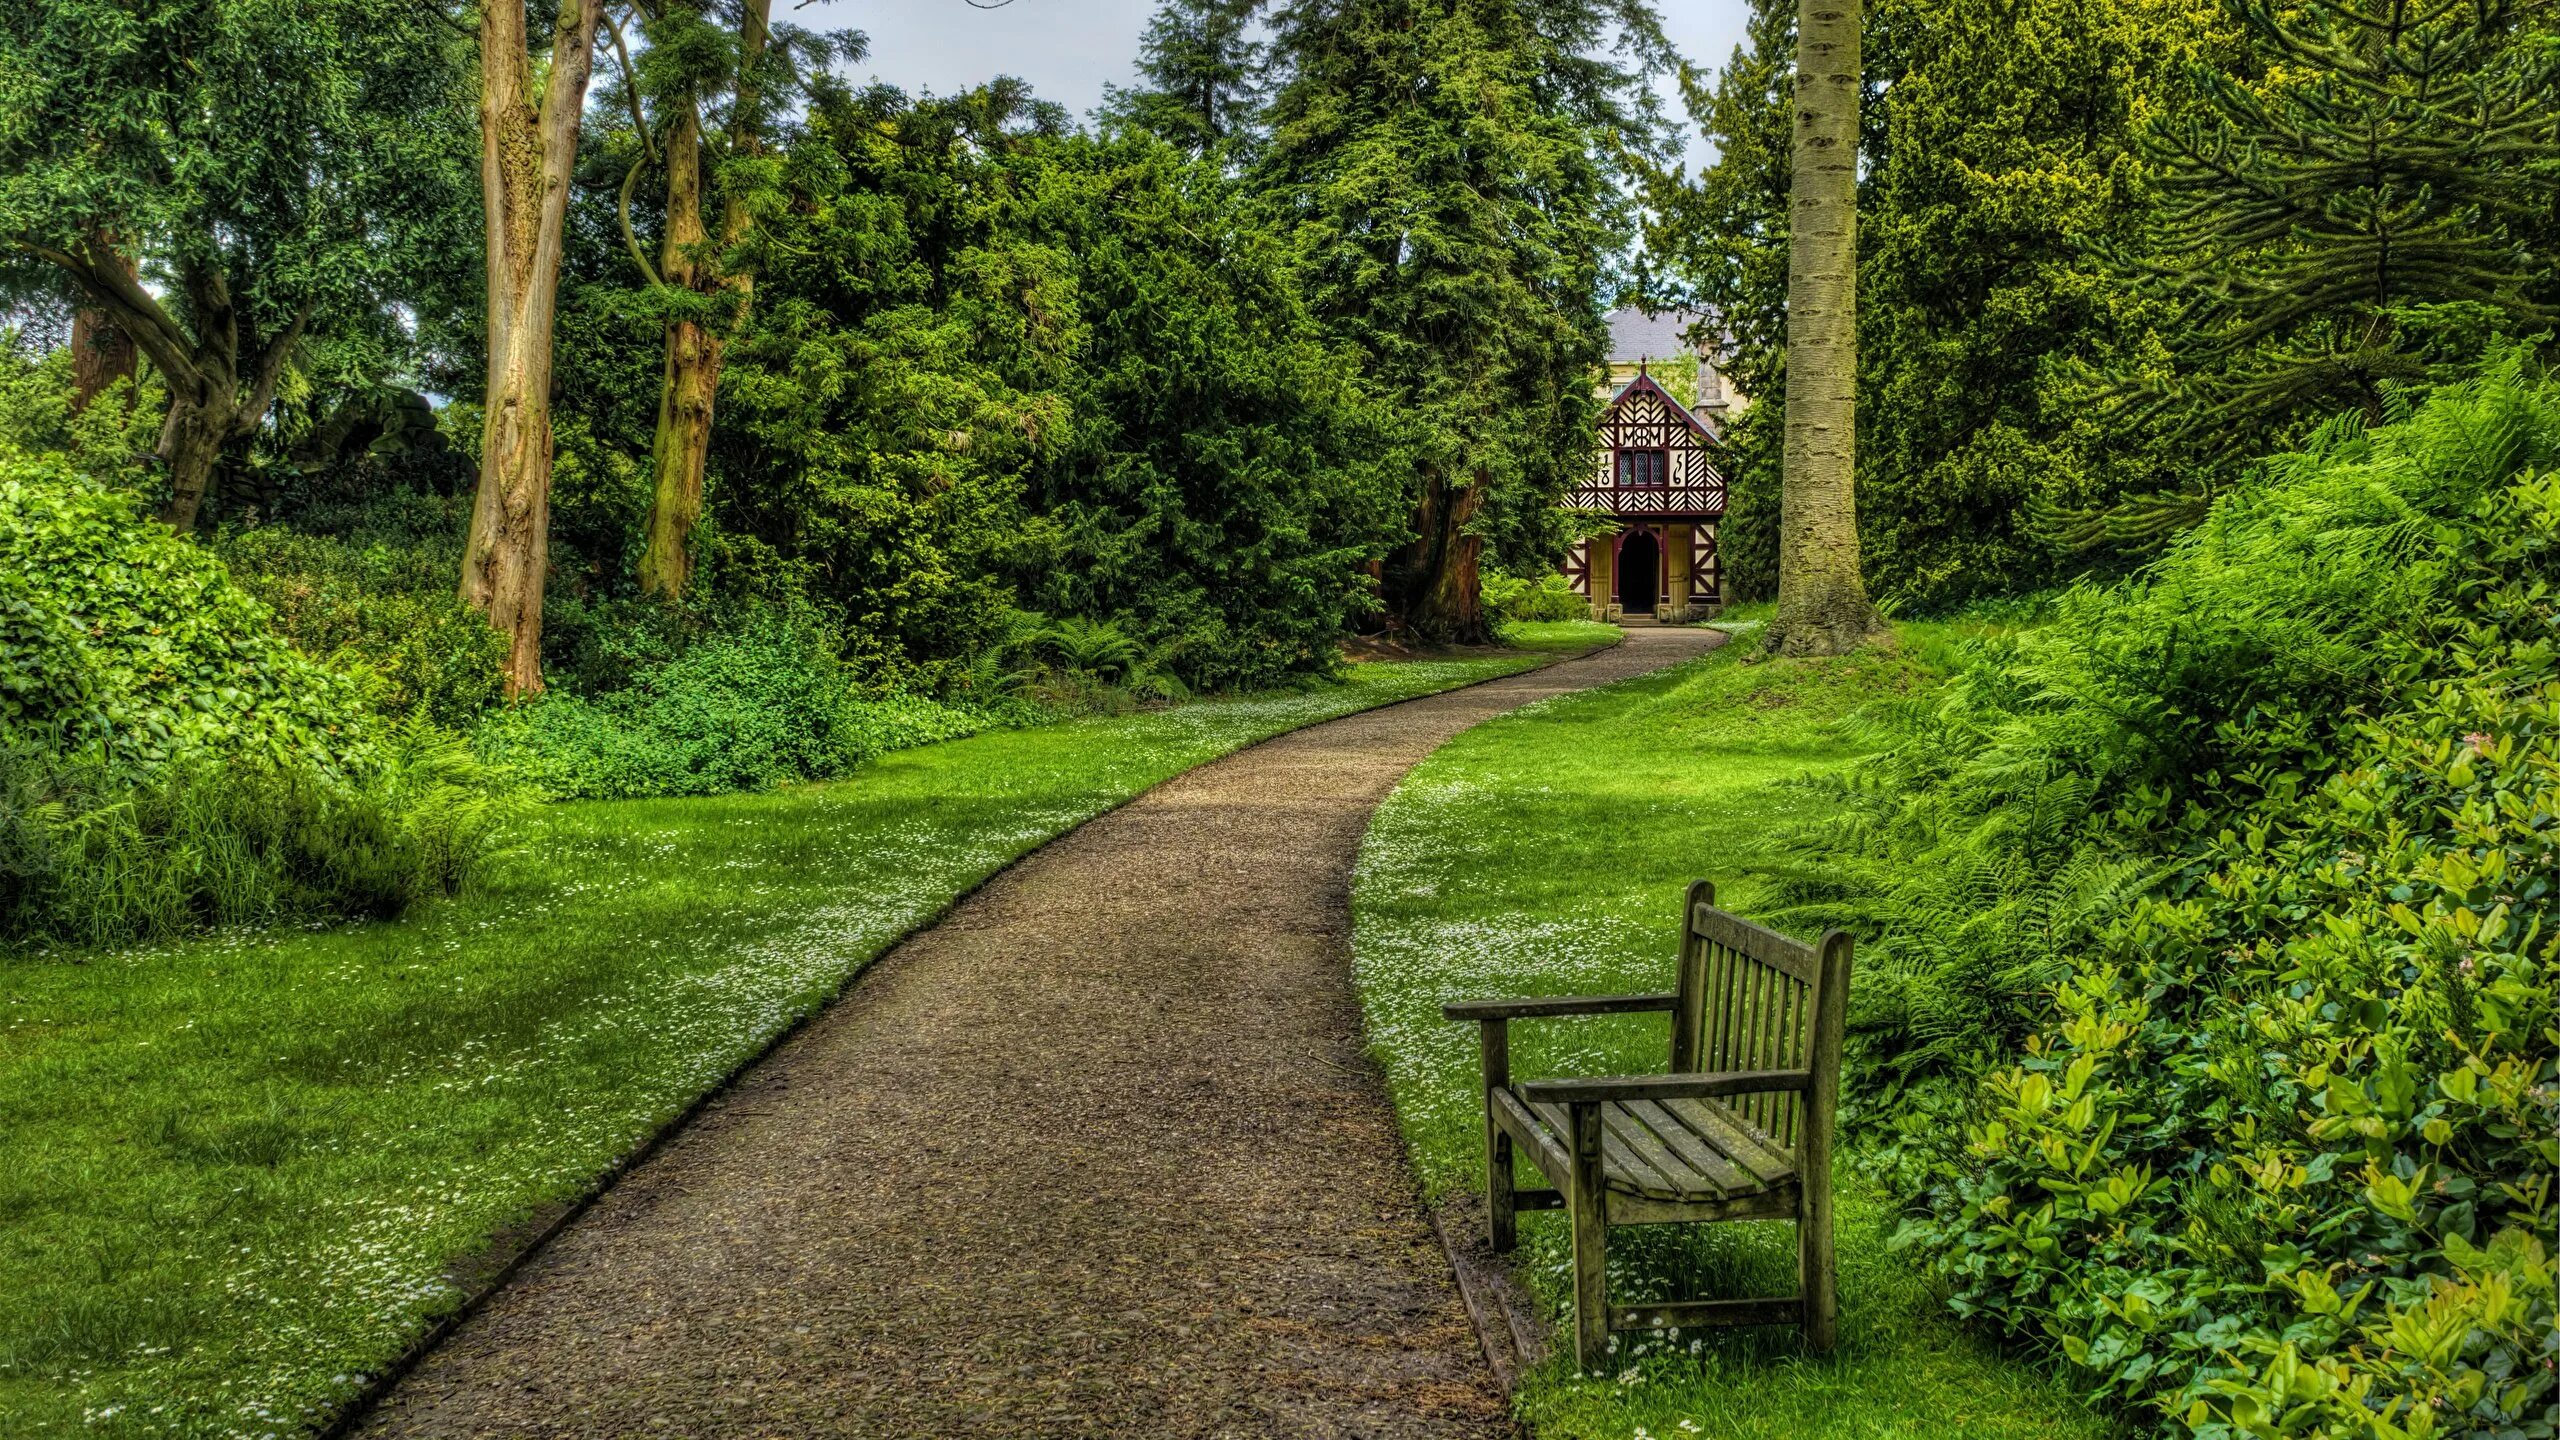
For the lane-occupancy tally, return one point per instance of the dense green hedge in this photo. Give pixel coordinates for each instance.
(382, 611)
(118, 634)
(2235, 885)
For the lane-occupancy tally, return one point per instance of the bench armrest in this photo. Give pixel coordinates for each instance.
(1663, 1087)
(1554, 1005)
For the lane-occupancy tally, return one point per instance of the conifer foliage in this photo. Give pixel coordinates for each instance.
(1446, 169)
(1202, 62)
(2359, 212)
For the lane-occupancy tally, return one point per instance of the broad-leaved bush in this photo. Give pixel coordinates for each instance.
(116, 633)
(168, 761)
(2235, 887)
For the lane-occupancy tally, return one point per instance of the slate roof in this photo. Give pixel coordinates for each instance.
(1635, 335)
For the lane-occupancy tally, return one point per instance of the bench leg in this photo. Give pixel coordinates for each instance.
(1590, 1242)
(1817, 1272)
(1502, 1231)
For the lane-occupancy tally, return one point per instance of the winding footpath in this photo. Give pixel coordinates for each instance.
(1100, 1154)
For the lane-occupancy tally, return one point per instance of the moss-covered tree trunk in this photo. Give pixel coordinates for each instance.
(691, 377)
(528, 149)
(690, 388)
(1822, 596)
(101, 355)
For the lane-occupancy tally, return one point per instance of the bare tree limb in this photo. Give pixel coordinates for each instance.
(631, 237)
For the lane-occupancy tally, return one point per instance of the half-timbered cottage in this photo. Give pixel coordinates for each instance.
(1656, 483)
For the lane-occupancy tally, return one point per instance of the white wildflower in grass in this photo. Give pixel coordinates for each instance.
(331, 1117)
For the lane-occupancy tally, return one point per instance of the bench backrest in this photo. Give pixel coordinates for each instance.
(1753, 999)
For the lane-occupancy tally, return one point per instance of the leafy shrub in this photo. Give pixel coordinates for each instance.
(95, 854)
(1548, 597)
(118, 634)
(110, 441)
(383, 612)
(2236, 882)
(167, 760)
(741, 711)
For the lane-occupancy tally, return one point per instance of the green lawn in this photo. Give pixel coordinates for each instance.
(1545, 853)
(234, 1171)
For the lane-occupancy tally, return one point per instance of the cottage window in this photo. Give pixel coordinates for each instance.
(1644, 469)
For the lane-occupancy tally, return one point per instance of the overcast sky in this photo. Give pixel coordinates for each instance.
(1070, 49)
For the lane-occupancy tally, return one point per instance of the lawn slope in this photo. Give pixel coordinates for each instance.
(234, 1172)
(1545, 853)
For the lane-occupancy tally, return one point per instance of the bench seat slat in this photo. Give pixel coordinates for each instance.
(1702, 1157)
(1660, 1150)
(1645, 1161)
(1732, 1136)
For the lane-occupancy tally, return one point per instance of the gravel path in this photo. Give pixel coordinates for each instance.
(1101, 1154)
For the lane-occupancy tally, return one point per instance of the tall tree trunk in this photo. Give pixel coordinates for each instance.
(691, 377)
(101, 355)
(527, 152)
(689, 390)
(1822, 596)
(1441, 594)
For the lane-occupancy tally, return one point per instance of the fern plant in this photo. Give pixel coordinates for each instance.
(2211, 999)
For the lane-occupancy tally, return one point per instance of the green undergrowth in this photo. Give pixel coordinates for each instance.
(234, 1170)
(1545, 853)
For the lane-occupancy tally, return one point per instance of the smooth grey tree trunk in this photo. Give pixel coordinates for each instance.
(1822, 596)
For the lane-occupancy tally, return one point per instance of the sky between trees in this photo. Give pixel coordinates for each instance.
(1070, 49)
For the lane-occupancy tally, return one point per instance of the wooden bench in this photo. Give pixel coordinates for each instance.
(1740, 1129)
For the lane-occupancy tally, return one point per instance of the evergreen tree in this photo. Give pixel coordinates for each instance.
(1999, 142)
(1719, 244)
(1447, 168)
(1202, 66)
(2361, 210)
(735, 64)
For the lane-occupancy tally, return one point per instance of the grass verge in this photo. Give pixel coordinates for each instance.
(1545, 853)
(236, 1173)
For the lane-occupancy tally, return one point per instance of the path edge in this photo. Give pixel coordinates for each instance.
(1509, 1328)
(506, 1257)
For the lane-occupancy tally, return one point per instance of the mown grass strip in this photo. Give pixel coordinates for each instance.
(236, 1173)
(1545, 853)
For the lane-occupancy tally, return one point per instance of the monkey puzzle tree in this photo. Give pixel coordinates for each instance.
(220, 180)
(2361, 209)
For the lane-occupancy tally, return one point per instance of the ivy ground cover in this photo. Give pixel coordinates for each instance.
(235, 1172)
(1545, 853)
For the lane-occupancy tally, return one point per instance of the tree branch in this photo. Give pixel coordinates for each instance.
(271, 372)
(631, 90)
(467, 32)
(630, 237)
(135, 312)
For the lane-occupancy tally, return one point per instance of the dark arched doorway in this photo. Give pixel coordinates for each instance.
(1639, 573)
